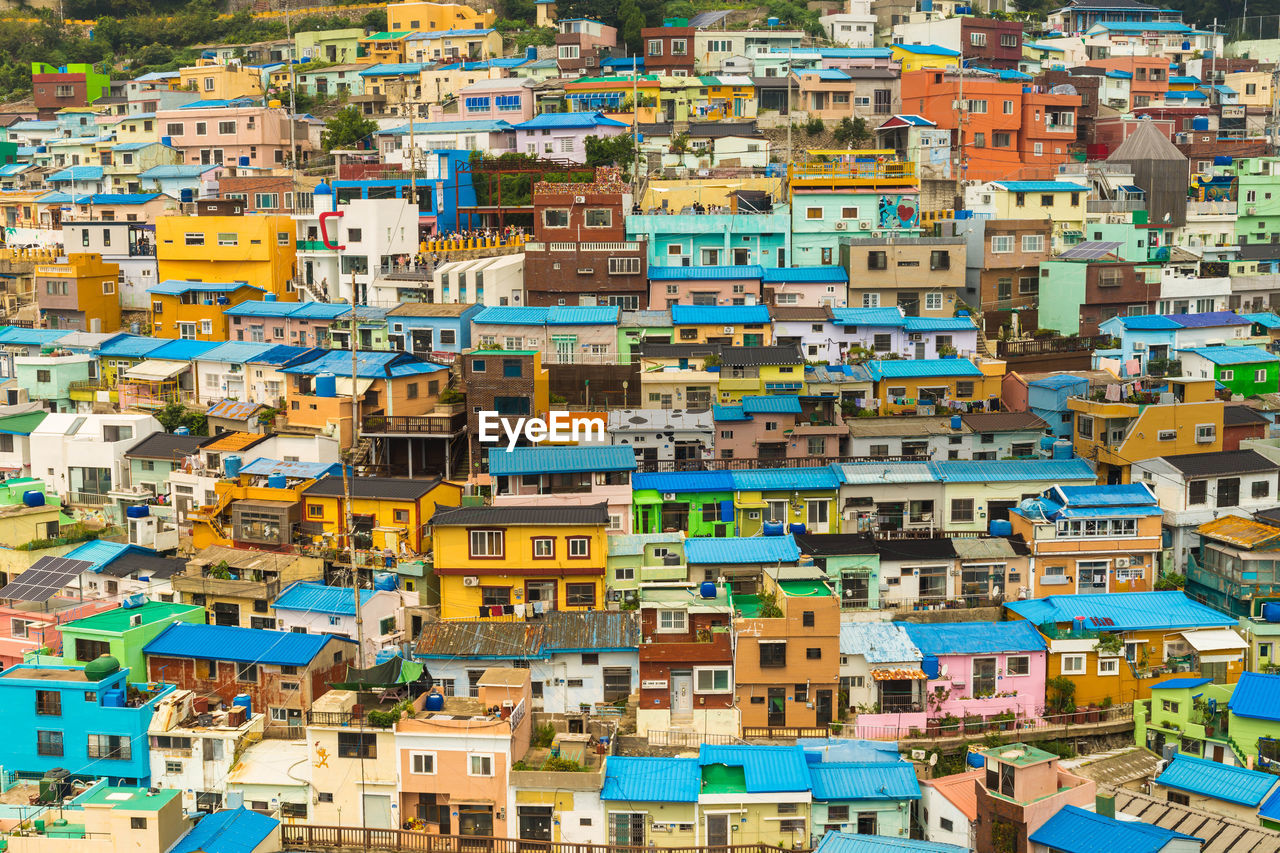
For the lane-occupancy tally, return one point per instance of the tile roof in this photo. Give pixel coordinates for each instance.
(975, 638)
(166, 446)
(1217, 780)
(767, 769)
(559, 460)
(1074, 830)
(313, 597)
(591, 514)
(1257, 696)
(651, 780)
(1222, 462)
(960, 790)
(242, 645)
(740, 550)
(864, 780)
(878, 642)
(1128, 611)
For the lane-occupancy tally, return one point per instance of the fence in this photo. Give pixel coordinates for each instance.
(942, 727)
(308, 837)
(783, 732)
(655, 466)
(680, 737)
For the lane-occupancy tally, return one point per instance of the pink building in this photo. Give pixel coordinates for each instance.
(300, 324)
(508, 99)
(779, 426)
(27, 627)
(566, 476)
(224, 134)
(984, 669)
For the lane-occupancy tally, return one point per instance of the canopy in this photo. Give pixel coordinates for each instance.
(387, 674)
(1214, 640)
(156, 370)
(897, 674)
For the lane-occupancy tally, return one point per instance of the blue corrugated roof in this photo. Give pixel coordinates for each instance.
(181, 350)
(1127, 494)
(1271, 808)
(560, 460)
(369, 365)
(863, 780)
(717, 315)
(741, 550)
(1009, 471)
(878, 642)
(272, 308)
(1217, 780)
(939, 324)
(1059, 381)
(728, 413)
(29, 337)
(1129, 611)
(282, 354)
(563, 121)
(773, 404)
(1149, 322)
(236, 352)
(828, 74)
(78, 173)
(176, 287)
(713, 273)
(651, 780)
(975, 638)
(314, 597)
(573, 315)
(922, 368)
(236, 830)
(828, 273)
(767, 769)
(184, 171)
(263, 466)
(847, 842)
(1041, 187)
(1180, 683)
(869, 316)
(926, 49)
(772, 479)
(242, 645)
(1145, 26)
(684, 481)
(1257, 696)
(437, 127)
(1074, 830)
(101, 553)
(393, 69)
(1208, 319)
(1265, 319)
(1232, 355)
(130, 346)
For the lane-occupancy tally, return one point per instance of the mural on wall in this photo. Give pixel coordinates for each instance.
(899, 211)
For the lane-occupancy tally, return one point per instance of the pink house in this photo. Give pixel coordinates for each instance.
(27, 627)
(508, 99)
(300, 324)
(566, 476)
(984, 669)
(223, 134)
(779, 426)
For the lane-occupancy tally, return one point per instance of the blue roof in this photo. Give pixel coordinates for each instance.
(1265, 319)
(975, 638)
(828, 273)
(1012, 471)
(864, 780)
(100, 553)
(1232, 355)
(1074, 830)
(773, 479)
(1217, 780)
(718, 315)
(563, 121)
(1180, 78)
(392, 69)
(1128, 611)
(1061, 380)
(282, 354)
(708, 273)
(130, 346)
(236, 352)
(772, 404)
(869, 316)
(436, 127)
(1257, 696)
(1041, 187)
(921, 368)
(315, 597)
(1180, 683)
(242, 645)
(1117, 74)
(1149, 322)
(684, 481)
(766, 769)
(560, 460)
(182, 171)
(30, 337)
(572, 315)
(182, 350)
(369, 365)
(132, 146)
(1196, 95)
(236, 830)
(926, 49)
(847, 842)
(78, 173)
(651, 780)
(176, 287)
(1206, 319)
(272, 308)
(218, 103)
(878, 642)
(833, 74)
(728, 413)
(263, 466)
(101, 198)
(939, 324)
(741, 550)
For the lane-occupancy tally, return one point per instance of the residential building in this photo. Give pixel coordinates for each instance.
(224, 82)
(924, 276)
(123, 632)
(509, 381)
(222, 131)
(245, 600)
(83, 456)
(77, 84)
(388, 514)
(923, 385)
(582, 45)
(1190, 714)
(104, 814)
(80, 295)
(1003, 261)
(872, 797)
(308, 607)
(1253, 719)
(949, 808)
(127, 245)
(193, 310)
(257, 251)
(1024, 788)
(195, 758)
(880, 669)
(567, 135)
(669, 51)
(1229, 568)
(567, 335)
(1069, 829)
(1246, 371)
(550, 476)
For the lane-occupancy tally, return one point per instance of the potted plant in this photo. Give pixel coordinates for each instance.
(973, 723)
(451, 402)
(949, 725)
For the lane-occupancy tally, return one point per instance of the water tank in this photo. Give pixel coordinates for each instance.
(1186, 45)
(231, 465)
(389, 581)
(186, 195)
(797, 529)
(1223, 160)
(182, 431)
(277, 481)
(139, 511)
(113, 698)
(1200, 123)
(33, 497)
(773, 22)
(385, 655)
(957, 422)
(1077, 626)
(976, 760)
(244, 161)
(929, 665)
(1001, 527)
(1046, 444)
(435, 702)
(243, 700)
(101, 667)
(269, 297)
(326, 385)
(1063, 449)
(321, 189)
(1271, 611)
(774, 528)
(707, 589)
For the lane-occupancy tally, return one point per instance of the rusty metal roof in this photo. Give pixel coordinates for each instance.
(1239, 531)
(557, 632)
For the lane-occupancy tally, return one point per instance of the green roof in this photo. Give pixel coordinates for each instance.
(388, 36)
(652, 78)
(747, 605)
(128, 799)
(1018, 754)
(22, 424)
(721, 779)
(117, 621)
(806, 588)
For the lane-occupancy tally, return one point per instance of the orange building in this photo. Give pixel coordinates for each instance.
(1150, 76)
(79, 295)
(1007, 134)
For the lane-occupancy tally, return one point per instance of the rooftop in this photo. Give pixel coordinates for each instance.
(1125, 611)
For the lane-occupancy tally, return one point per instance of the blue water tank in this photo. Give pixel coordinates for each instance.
(326, 385)
(976, 760)
(1001, 527)
(243, 700)
(269, 297)
(232, 464)
(773, 22)
(1223, 160)
(133, 602)
(385, 655)
(322, 189)
(774, 528)
(277, 481)
(707, 589)
(138, 511)
(929, 665)
(957, 422)
(1063, 449)
(388, 581)
(435, 702)
(1271, 611)
(797, 529)
(113, 698)
(186, 195)
(1046, 444)
(1186, 45)
(33, 498)
(1200, 123)
(182, 431)
(244, 161)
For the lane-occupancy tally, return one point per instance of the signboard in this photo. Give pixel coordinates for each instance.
(654, 684)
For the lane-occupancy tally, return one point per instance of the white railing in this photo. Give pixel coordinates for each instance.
(1211, 208)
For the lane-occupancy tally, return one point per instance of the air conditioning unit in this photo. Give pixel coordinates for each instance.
(1251, 211)
(668, 496)
(842, 226)
(1122, 562)
(1139, 346)
(135, 620)
(877, 234)
(471, 580)
(579, 199)
(728, 330)
(916, 336)
(864, 225)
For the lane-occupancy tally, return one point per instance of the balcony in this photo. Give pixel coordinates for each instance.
(87, 390)
(714, 647)
(313, 246)
(844, 173)
(419, 426)
(1211, 208)
(401, 273)
(664, 572)
(1115, 205)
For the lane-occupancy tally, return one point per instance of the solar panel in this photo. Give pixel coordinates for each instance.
(1090, 250)
(44, 579)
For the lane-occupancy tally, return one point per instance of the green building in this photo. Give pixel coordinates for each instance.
(640, 327)
(699, 503)
(124, 632)
(49, 377)
(1253, 721)
(1247, 371)
(328, 45)
(1258, 211)
(1264, 644)
(644, 557)
(1189, 713)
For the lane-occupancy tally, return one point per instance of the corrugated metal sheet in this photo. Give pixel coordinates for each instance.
(772, 479)
(100, 552)
(684, 481)
(1129, 611)
(869, 316)
(480, 639)
(741, 550)
(262, 467)
(651, 780)
(865, 473)
(596, 630)
(878, 642)
(1257, 696)
(633, 544)
(1217, 780)
(126, 346)
(230, 831)
(558, 460)
(233, 410)
(1041, 187)
(766, 768)
(1050, 470)
(180, 350)
(787, 404)
(863, 780)
(1232, 355)
(236, 352)
(829, 273)
(242, 645)
(717, 273)
(922, 368)
(718, 315)
(1130, 494)
(939, 324)
(847, 842)
(1074, 830)
(1180, 683)
(975, 638)
(729, 413)
(314, 597)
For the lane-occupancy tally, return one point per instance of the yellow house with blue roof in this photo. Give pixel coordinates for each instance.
(947, 384)
(733, 325)
(913, 57)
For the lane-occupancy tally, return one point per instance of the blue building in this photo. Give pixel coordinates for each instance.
(1047, 399)
(439, 197)
(87, 718)
(1074, 830)
(423, 328)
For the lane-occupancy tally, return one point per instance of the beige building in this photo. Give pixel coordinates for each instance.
(922, 275)
(353, 766)
(113, 819)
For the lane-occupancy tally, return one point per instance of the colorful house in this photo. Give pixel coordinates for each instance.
(1254, 719)
(389, 514)
(735, 325)
(1247, 371)
(256, 250)
(123, 632)
(904, 386)
(1190, 713)
(195, 310)
(80, 295)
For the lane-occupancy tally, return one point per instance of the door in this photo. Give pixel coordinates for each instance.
(822, 707)
(1091, 576)
(377, 811)
(752, 340)
(540, 595)
(984, 676)
(854, 591)
(777, 706)
(920, 353)
(717, 830)
(1216, 752)
(565, 349)
(681, 694)
(535, 823)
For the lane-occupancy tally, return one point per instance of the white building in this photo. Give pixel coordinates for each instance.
(130, 245)
(193, 754)
(373, 233)
(663, 434)
(1184, 291)
(951, 808)
(483, 281)
(221, 372)
(854, 27)
(310, 607)
(274, 774)
(871, 648)
(83, 455)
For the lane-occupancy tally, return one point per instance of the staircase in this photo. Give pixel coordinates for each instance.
(984, 346)
(315, 291)
(360, 453)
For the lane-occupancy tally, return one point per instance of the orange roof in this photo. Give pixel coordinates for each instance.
(1239, 531)
(234, 441)
(960, 790)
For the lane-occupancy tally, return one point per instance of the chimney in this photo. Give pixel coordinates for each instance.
(1106, 806)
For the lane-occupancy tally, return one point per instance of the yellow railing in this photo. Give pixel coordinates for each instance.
(460, 244)
(891, 170)
(38, 255)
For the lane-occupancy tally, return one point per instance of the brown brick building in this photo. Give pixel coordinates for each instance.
(512, 383)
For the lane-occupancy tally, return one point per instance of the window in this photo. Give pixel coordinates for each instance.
(1033, 242)
(679, 47)
(49, 703)
(1260, 489)
(961, 510)
(357, 745)
(978, 39)
(487, 543)
(813, 654)
(43, 376)
(1084, 426)
(579, 547)
(422, 763)
(480, 765)
(544, 548)
(978, 106)
(495, 595)
(1073, 664)
(1001, 243)
(206, 327)
(49, 743)
(194, 239)
(1228, 492)
(673, 621)
(1179, 798)
(227, 128)
(940, 260)
(1206, 433)
(1000, 139)
(580, 594)
(1018, 665)
(247, 672)
(555, 218)
(773, 654)
(137, 823)
(933, 301)
(1108, 666)
(712, 679)
(114, 747)
(655, 47)
(877, 260)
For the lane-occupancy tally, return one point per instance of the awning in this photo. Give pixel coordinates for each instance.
(156, 370)
(343, 386)
(897, 674)
(1214, 640)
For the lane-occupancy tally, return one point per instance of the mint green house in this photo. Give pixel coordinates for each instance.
(634, 558)
(639, 327)
(124, 632)
(1264, 644)
(713, 239)
(1247, 371)
(329, 45)
(1258, 191)
(1062, 290)
(49, 377)
(821, 218)
(1254, 719)
(1190, 713)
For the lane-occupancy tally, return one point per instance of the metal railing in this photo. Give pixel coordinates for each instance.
(302, 836)
(1115, 205)
(683, 737)
(421, 273)
(1044, 346)
(88, 499)
(783, 732)
(968, 726)
(415, 424)
(662, 466)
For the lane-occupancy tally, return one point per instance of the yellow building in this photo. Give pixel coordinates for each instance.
(913, 57)
(1114, 435)
(452, 45)
(237, 585)
(259, 251)
(221, 82)
(903, 385)
(1253, 88)
(730, 325)
(1061, 202)
(519, 560)
(389, 513)
(383, 48)
(196, 310)
(81, 295)
(437, 16)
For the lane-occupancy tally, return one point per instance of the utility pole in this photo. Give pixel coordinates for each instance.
(293, 106)
(962, 113)
(635, 123)
(413, 153)
(1213, 66)
(348, 473)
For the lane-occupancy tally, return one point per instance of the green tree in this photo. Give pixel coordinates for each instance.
(520, 10)
(347, 129)
(851, 131)
(375, 20)
(630, 21)
(617, 150)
